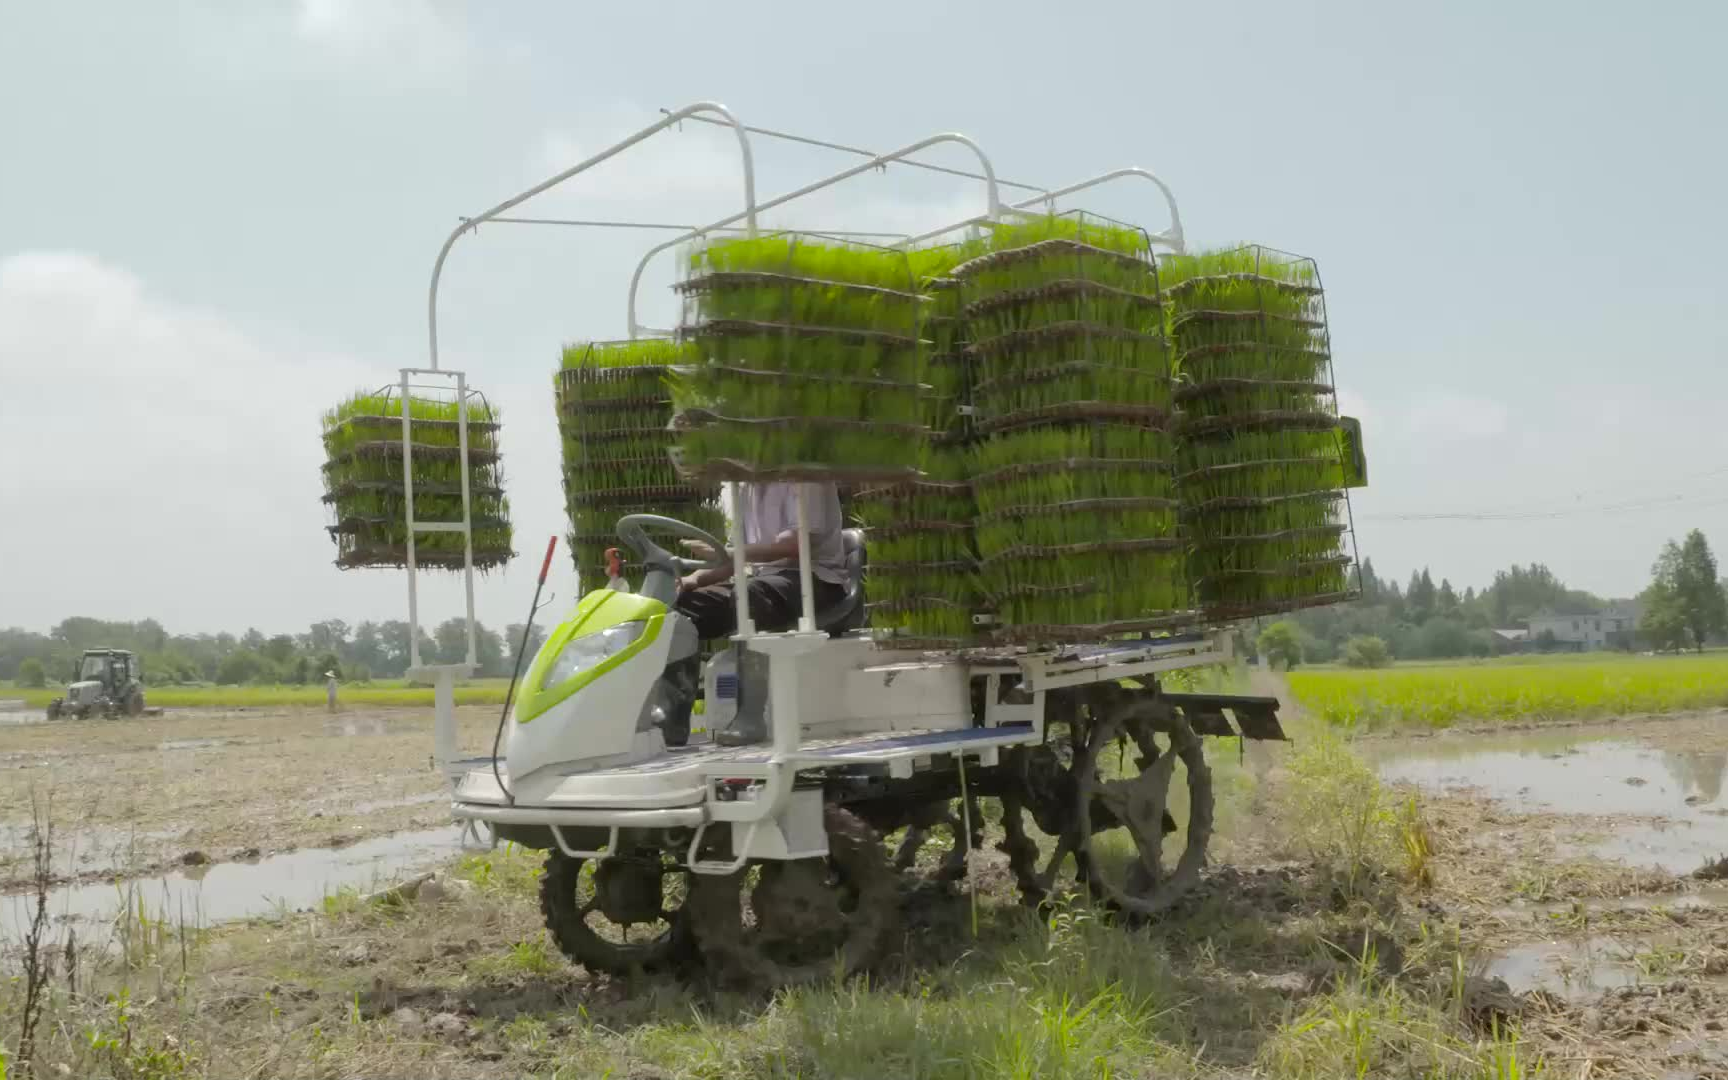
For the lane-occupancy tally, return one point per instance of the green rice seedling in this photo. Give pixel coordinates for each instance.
(1085, 590)
(808, 358)
(921, 578)
(930, 621)
(366, 488)
(804, 447)
(1089, 229)
(1514, 689)
(615, 411)
(1266, 402)
(1059, 526)
(641, 353)
(1261, 466)
(1073, 477)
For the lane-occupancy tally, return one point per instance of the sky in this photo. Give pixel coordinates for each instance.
(218, 219)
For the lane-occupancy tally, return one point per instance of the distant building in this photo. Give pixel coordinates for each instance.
(1511, 639)
(1611, 628)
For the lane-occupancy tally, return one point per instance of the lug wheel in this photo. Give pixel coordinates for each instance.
(933, 821)
(1099, 791)
(1131, 788)
(619, 915)
(778, 924)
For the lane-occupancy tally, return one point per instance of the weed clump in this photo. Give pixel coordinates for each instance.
(614, 404)
(364, 481)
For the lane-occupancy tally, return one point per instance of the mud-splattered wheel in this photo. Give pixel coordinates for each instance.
(619, 915)
(778, 924)
(933, 821)
(1103, 770)
(1131, 788)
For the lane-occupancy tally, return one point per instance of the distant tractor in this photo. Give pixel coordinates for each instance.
(109, 681)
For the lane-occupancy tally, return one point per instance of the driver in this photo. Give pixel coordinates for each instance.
(771, 547)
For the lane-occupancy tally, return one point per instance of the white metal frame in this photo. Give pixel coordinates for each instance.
(445, 675)
(785, 734)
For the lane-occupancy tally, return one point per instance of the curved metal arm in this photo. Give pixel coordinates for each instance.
(749, 214)
(1170, 237)
(993, 209)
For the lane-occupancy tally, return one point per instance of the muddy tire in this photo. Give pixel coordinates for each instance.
(1137, 801)
(135, 703)
(53, 710)
(808, 919)
(1104, 772)
(567, 920)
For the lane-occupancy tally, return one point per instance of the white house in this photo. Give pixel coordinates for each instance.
(1610, 628)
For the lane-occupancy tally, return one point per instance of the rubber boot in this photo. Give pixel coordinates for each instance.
(680, 678)
(750, 725)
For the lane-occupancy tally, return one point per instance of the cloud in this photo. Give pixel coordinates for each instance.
(693, 174)
(160, 460)
(1448, 415)
(420, 37)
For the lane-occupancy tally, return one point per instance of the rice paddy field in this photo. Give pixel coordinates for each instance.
(1504, 691)
(378, 692)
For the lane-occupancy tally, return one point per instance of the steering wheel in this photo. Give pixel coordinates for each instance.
(632, 529)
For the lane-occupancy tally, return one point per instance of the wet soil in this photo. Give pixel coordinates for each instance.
(134, 798)
(1573, 861)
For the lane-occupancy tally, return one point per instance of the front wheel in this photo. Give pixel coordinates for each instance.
(54, 710)
(135, 702)
(619, 915)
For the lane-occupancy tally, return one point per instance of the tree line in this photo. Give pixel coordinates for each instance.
(357, 653)
(1685, 606)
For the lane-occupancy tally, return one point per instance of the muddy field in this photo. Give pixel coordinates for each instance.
(192, 788)
(1473, 904)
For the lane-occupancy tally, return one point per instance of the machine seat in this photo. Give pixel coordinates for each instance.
(847, 613)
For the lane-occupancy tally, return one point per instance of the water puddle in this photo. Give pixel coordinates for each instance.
(1711, 896)
(21, 717)
(198, 744)
(87, 850)
(224, 892)
(406, 800)
(1601, 776)
(354, 725)
(1575, 970)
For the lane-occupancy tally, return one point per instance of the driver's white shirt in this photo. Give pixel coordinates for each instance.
(771, 513)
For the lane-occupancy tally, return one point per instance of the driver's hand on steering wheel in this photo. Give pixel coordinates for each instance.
(699, 550)
(692, 581)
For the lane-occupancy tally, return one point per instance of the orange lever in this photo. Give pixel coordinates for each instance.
(614, 563)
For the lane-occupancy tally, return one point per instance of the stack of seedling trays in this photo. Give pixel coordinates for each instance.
(363, 482)
(614, 415)
(1076, 523)
(922, 577)
(1261, 453)
(807, 362)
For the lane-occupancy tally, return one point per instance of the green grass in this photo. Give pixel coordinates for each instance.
(1526, 689)
(378, 692)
